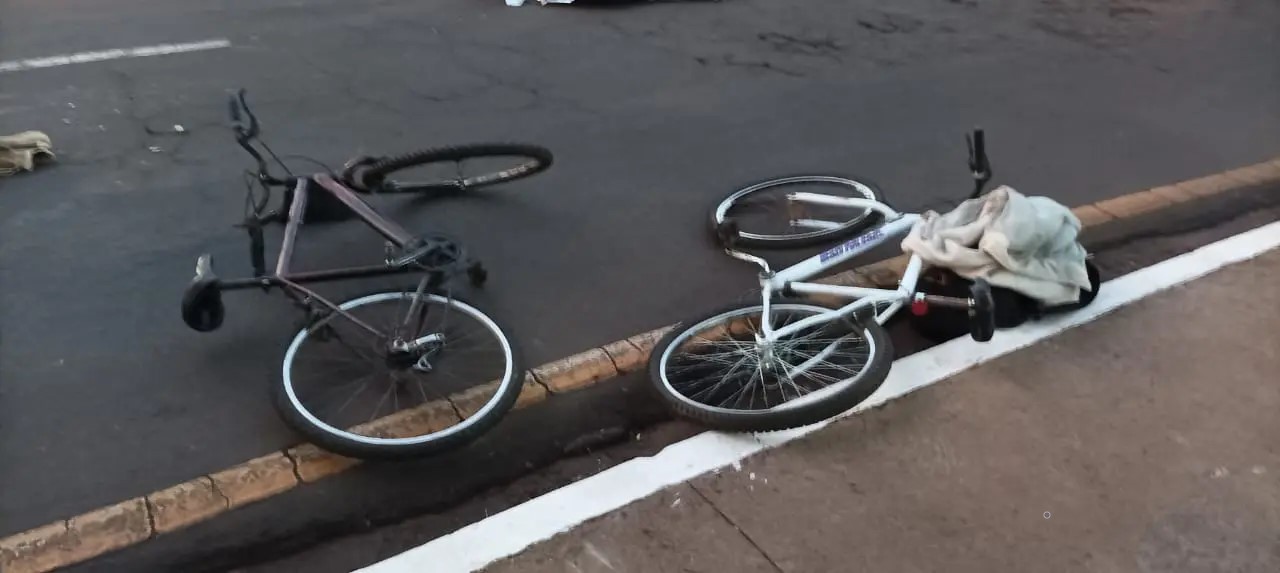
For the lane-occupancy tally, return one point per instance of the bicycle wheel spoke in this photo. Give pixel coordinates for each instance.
(832, 365)
(383, 398)
(722, 379)
(334, 390)
(417, 382)
(353, 349)
(353, 396)
(395, 395)
(714, 382)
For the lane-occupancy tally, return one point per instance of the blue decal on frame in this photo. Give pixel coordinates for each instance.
(849, 245)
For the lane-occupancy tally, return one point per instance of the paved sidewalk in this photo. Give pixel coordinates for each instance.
(1147, 440)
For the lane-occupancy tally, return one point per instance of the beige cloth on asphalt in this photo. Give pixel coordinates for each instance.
(1027, 244)
(23, 151)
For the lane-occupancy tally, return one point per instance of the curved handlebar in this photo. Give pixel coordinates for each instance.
(240, 107)
(246, 132)
(979, 166)
(978, 163)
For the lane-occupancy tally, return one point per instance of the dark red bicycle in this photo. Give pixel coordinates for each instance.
(392, 374)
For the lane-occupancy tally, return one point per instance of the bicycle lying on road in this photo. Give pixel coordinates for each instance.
(394, 373)
(788, 362)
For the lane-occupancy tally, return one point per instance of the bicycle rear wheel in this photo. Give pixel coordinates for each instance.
(712, 370)
(345, 389)
(453, 168)
(766, 218)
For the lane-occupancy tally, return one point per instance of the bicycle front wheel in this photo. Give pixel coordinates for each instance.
(454, 168)
(394, 379)
(766, 217)
(715, 370)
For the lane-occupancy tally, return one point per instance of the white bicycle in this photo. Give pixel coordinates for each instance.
(788, 362)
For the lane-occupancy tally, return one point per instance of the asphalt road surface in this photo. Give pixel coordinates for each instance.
(653, 110)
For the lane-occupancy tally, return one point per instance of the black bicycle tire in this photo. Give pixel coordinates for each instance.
(335, 444)
(821, 238)
(877, 370)
(376, 174)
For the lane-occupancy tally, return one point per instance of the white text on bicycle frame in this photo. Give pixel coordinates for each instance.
(849, 245)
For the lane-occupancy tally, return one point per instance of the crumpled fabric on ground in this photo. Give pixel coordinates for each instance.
(24, 151)
(1027, 244)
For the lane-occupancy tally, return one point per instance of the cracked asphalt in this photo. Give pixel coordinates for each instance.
(654, 110)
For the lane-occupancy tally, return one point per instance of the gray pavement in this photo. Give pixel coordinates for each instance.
(1143, 441)
(653, 110)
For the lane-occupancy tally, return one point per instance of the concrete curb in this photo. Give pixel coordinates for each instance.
(134, 521)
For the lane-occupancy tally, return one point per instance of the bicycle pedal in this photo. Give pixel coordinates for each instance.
(982, 311)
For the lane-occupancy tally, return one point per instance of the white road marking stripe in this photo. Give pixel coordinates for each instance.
(541, 518)
(86, 57)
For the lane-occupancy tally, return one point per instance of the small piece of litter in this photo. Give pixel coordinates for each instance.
(66, 121)
(751, 476)
(155, 149)
(676, 502)
(71, 105)
(179, 129)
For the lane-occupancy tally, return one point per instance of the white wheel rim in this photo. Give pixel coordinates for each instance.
(482, 413)
(863, 189)
(810, 398)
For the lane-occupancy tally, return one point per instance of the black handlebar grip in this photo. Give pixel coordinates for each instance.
(977, 141)
(246, 125)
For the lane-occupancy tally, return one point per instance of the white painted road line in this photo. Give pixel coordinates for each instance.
(541, 518)
(103, 55)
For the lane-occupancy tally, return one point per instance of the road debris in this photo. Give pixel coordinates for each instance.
(177, 129)
(24, 152)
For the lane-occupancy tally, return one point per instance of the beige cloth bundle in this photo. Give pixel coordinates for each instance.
(23, 151)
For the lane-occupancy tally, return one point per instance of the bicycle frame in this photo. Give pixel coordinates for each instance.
(390, 230)
(791, 279)
(292, 282)
(202, 306)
